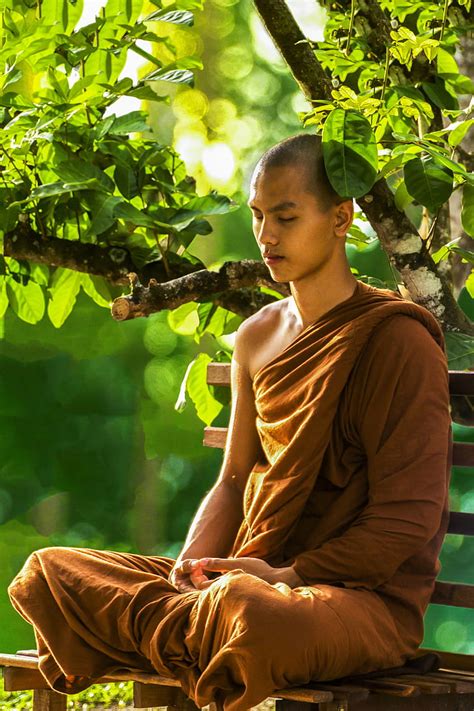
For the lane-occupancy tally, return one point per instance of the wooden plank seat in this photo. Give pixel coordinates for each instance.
(449, 687)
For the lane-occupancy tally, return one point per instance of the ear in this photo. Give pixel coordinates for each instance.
(344, 214)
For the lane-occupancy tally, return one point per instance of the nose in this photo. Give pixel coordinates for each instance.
(264, 233)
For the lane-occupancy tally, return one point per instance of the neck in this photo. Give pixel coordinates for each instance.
(311, 298)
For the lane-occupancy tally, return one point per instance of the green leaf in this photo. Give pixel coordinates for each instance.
(3, 296)
(77, 171)
(133, 122)
(444, 251)
(350, 153)
(177, 76)
(128, 212)
(467, 213)
(427, 183)
(177, 17)
(440, 94)
(460, 349)
(78, 87)
(460, 83)
(212, 204)
(60, 188)
(470, 284)
(102, 208)
(443, 161)
(146, 93)
(194, 383)
(126, 181)
(39, 273)
(9, 217)
(402, 197)
(27, 301)
(133, 9)
(97, 288)
(446, 64)
(63, 290)
(184, 320)
(103, 127)
(458, 131)
(12, 76)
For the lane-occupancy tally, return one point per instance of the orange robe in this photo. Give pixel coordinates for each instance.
(353, 417)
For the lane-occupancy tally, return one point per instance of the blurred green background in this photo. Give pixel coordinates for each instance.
(79, 404)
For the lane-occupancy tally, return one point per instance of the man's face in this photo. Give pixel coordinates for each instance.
(288, 221)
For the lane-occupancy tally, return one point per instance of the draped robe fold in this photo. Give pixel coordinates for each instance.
(354, 422)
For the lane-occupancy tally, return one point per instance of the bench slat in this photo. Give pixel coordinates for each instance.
(457, 683)
(462, 523)
(20, 678)
(426, 686)
(392, 688)
(461, 382)
(19, 660)
(454, 594)
(215, 437)
(453, 662)
(463, 454)
(218, 374)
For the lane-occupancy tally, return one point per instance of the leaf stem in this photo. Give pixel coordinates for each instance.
(12, 162)
(385, 75)
(78, 223)
(351, 28)
(445, 17)
(164, 258)
(83, 74)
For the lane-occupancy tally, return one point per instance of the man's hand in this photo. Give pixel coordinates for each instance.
(253, 566)
(187, 575)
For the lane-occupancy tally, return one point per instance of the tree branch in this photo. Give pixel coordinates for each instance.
(113, 263)
(286, 33)
(233, 287)
(190, 282)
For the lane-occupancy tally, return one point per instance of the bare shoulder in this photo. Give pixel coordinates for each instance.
(266, 319)
(261, 336)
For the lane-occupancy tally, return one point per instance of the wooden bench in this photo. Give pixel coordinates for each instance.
(450, 688)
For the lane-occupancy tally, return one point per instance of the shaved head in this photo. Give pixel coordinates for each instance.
(305, 152)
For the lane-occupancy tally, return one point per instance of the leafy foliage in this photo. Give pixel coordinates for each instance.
(74, 169)
(407, 91)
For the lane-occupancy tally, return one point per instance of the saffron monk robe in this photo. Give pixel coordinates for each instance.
(314, 555)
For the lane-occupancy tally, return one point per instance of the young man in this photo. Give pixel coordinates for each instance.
(326, 519)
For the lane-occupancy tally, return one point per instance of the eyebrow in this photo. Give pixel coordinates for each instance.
(277, 208)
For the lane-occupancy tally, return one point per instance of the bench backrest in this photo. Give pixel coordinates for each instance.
(461, 384)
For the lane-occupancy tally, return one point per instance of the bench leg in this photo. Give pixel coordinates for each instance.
(153, 695)
(45, 700)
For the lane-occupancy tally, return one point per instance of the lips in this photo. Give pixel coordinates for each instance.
(272, 256)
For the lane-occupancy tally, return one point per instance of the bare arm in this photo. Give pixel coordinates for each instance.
(214, 527)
